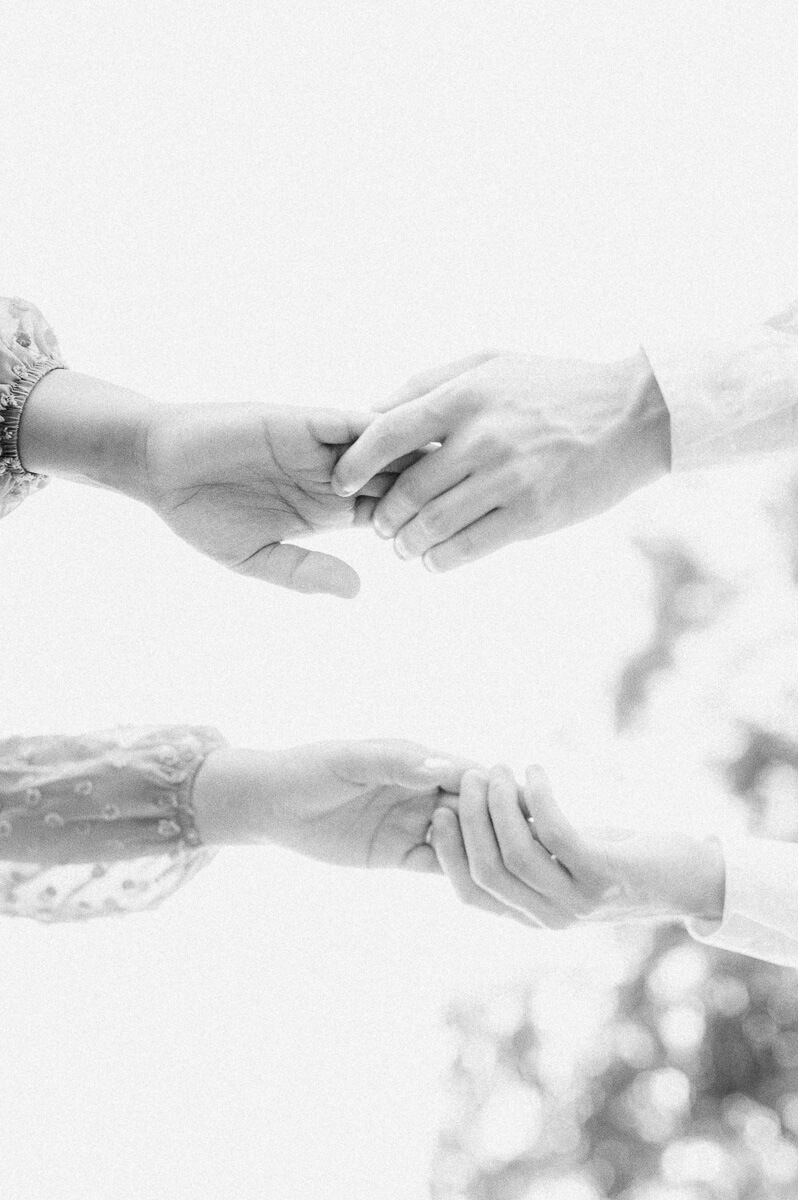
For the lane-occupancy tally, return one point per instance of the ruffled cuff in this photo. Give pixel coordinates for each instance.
(99, 823)
(760, 909)
(28, 351)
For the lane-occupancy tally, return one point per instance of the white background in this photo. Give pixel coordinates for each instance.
(303, 204)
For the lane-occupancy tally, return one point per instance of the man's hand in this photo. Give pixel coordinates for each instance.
(528, 446)
(519, 849)
(236, 480)
(354, 804)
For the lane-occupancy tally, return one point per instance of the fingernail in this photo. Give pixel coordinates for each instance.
(344, 489)
(428, 837)
(381, 527)
(430, 565)
(435, 766)
(402, 550)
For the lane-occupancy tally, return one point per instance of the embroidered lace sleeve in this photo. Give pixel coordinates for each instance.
(28, 350)
(99, 824)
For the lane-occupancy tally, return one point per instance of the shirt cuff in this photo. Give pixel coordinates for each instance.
(731, 396)
(760, 909)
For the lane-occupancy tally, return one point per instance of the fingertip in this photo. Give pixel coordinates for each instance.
(342, 487)
(431, 565)
(345, 588)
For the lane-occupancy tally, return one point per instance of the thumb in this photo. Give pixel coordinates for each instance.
(301, 570)
(410, 765)
(423, 858)
(427, 381)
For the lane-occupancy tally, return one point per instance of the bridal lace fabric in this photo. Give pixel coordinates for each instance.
(101, 823)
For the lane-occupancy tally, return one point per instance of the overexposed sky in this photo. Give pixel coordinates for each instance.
(304, 204)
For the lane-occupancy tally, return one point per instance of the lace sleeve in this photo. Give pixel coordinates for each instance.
(99, 824)
(28, 350)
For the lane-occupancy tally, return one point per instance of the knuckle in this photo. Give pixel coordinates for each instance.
(515, 861)
(431, 522)
(464, 399)
(486, 875)
(466, 546)
(555, 839)
(515, 475)
(380, 438)
(410, 493)
(491, 441)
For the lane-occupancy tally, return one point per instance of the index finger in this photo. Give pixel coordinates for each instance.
(390, 436)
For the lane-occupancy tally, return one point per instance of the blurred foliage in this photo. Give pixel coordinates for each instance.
(691, 1091)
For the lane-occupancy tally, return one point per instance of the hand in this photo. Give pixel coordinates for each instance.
(522, 851)
(233, 480)
(528, 446)
(355, 804)
(236, 480)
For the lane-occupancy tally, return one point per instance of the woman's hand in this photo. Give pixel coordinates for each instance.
(528, 446)
(521, 850)
(233, 480)
(236, 480)
(355, 804)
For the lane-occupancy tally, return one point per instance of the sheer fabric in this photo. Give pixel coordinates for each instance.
(28, 350)
(733, 396)
(101, 823)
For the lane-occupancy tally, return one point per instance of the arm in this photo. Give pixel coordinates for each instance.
(99, 823)
(117, 820)
(531, 445)
(738, 894)
(237, 481)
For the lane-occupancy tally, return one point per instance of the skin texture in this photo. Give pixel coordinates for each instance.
(353, 804)
(511, 849)
(236, 481)
(527, 445)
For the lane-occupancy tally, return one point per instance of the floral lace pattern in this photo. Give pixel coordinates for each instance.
(98, 824)
(28, 350)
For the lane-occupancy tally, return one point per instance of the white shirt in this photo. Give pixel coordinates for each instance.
(730, 398)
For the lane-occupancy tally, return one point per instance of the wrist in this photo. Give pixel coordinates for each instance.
(86, 430)
(646, 420)
(231, 798)
(707, 882)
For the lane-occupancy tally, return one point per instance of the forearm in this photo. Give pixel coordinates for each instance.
(86, 430)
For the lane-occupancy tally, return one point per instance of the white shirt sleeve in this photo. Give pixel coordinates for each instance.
(760, 909)
(733, 396)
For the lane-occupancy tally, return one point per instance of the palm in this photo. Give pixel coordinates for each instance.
(358, 804)
(235, 481)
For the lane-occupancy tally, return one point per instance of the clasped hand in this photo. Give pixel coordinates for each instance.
(461, 461)
(507, 849)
